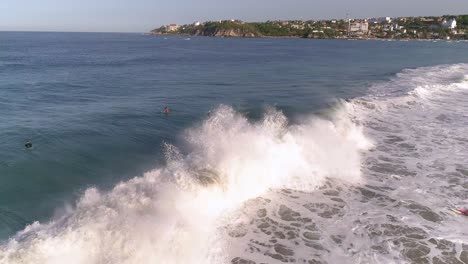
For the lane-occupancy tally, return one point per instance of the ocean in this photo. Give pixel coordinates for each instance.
(274, 150)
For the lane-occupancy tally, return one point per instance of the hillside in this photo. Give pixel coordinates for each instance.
(387, 28)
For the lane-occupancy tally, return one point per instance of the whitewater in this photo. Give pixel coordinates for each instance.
(370, 181)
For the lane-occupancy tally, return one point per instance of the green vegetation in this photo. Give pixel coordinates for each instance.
(396, 28)
(270, 29)
(463, 21)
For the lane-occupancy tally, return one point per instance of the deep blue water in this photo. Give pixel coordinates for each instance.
(91, 103)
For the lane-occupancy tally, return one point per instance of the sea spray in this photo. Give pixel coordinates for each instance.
(172, 214)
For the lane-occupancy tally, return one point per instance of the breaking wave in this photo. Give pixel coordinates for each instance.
(316, 191)
(174, 214)
(415, 171)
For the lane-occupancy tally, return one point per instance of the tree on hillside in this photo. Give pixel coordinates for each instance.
(463, 20)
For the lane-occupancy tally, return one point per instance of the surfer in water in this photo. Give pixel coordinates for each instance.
(166, 110)
(28, 144)
(463, 212)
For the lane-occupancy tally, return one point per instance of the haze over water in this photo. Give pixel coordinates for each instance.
(260, 159)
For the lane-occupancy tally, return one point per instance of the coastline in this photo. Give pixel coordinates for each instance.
(447, 27)
(323, 38)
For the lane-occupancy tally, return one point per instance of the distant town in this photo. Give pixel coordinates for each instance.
(448, 27)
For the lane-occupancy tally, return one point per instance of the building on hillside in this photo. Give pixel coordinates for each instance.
(359, 27)
(451, 24)
(197, 23)
(173, 27)
(380, 20)
(389, 28)
(399, 27)
(428, 21)
(296, 26)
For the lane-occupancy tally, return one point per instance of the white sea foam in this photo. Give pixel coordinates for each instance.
(418, 122)
(420, 136)
(173, 214)
(388, 206)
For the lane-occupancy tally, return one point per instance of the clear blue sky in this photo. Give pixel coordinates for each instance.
(144, 15)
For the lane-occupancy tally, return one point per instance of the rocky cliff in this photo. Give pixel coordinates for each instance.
(213, 29)
(227, 32)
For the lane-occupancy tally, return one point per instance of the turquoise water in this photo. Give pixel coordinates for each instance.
(92, 103)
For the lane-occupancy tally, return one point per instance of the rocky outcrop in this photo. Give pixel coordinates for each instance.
(227, 32)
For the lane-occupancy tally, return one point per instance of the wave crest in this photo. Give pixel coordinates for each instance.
(172, 214)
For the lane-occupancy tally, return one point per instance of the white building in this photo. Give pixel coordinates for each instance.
(379, 20)
(452, 23)
(296, 26)
(359, 27)
(398, 27)
(197, 23)
(172, 27)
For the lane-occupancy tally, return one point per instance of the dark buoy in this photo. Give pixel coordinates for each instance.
(166, 110)
(28, 144)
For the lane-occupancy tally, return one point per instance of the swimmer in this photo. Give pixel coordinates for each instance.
(28, 144)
